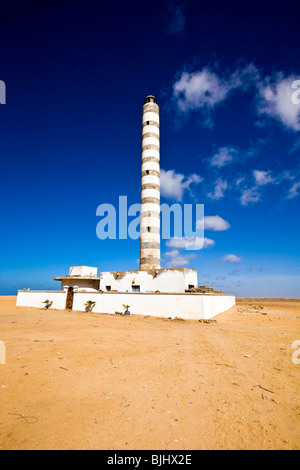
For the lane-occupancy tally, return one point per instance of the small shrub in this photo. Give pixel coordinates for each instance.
(47, 303)
(126, 307)
(89, 305)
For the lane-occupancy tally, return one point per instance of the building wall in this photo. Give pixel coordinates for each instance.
(36, 299)
(187, 306)
(82, 284)
(167, 280)
(83, 271)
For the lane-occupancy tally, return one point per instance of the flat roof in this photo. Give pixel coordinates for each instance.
(76, 278)
(149, 270)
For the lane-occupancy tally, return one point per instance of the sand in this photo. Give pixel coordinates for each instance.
(88, 381)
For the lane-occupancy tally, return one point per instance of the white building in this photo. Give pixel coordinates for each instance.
(80, 278)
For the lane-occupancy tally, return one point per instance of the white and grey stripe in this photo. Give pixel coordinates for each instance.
(150, 193)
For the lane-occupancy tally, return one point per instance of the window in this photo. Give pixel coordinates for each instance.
(136, 289)
(148, 229)
(108, 288)
(147, 172)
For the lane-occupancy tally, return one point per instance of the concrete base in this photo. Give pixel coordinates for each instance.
(188, 306)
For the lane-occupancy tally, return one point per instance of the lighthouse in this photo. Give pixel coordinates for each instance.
(150, 194)
(152, 290)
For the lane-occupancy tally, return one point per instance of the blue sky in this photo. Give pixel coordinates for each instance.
(76, 76)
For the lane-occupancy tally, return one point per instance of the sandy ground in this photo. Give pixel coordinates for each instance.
(85, 381)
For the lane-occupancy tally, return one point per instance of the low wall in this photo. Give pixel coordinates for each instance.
(36, 299)
(188, 306)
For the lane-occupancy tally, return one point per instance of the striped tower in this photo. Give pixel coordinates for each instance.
(150, 197)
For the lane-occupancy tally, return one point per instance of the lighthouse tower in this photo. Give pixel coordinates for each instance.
(150, 196)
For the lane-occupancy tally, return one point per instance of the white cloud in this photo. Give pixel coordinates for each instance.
(219, 189)
(177, 259)
(249, 195)
(206, 89)
(175, 16)
(288, 175)
(195, 243)
(296, 145)
(262, 177)
(231, 259)
(203, 89)
(275, 99)
(223, 156)
(173, 185)
(215, 223)
(240, 180)
(172, 253)
(294, 190)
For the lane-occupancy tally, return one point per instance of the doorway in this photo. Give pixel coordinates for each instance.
(69, 302)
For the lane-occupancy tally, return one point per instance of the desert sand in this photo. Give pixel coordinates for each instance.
(87, 381)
